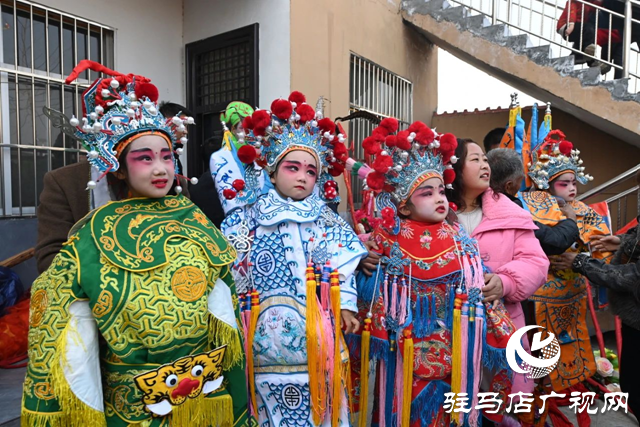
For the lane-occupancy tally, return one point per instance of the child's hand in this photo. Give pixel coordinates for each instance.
(350, 323)
(492, 289)
(569, 29)
(370, 263)
(562, 262)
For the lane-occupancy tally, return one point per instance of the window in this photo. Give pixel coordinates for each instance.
(220, 69)
(380, 92)
(39, 46)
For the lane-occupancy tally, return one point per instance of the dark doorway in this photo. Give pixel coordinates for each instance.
(220, 69)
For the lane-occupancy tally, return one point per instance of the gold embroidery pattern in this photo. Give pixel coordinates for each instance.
(188, 283)
(153, 317)
(43, 390)
(134, 236)
(37, 308)
(104, 304)
(54, 285)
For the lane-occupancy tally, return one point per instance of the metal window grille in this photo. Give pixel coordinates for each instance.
(39, 46)
(378, 91)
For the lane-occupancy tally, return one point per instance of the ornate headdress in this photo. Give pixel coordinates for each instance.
(115, 110)
(404, 160)
(291, 125)
(554, 157)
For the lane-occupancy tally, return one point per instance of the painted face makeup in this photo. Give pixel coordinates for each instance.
(428, 203)
(150, 169)
(476, 173)
(565, 186)
(296, 175)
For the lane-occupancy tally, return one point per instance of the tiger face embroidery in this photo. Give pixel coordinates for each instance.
(172, 384)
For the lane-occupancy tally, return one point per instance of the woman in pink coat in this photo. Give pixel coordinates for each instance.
(505, 235)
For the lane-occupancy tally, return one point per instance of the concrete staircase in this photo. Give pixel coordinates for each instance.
(607, 105)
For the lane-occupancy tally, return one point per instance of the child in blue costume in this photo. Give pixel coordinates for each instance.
(283, 239)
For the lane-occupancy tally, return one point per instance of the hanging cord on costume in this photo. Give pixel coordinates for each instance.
(255, 312)
(365, 345)
(407, 362)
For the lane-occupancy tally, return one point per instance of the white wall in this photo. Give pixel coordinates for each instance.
(148, 39)
(206, 18)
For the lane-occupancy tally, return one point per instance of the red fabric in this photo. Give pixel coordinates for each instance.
(628, 227)
(14, 331)
(575, 14)
(603, 37)
(86, 64)
(558, 419)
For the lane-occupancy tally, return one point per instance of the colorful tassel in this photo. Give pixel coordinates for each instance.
(391, 376)
(255, 312)
(407, 374)
(474, 417)
(398, 394)
(325, 287)
(337, 361)
(469, 366)
(382, 390)
(364, 370)
(456, 355)
(464, 354)
(316, 362)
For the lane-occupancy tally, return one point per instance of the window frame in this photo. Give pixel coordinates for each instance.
(12, 152)
(392, 96)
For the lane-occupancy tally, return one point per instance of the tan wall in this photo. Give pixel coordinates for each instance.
(325, 32)
(604, 156)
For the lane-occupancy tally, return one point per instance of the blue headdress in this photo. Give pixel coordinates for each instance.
(115, 110)
(292, 125)
(556, 156)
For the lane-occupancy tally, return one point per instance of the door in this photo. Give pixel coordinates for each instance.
(220, 69)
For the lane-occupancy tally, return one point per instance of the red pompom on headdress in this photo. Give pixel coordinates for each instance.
(448, 143)
(340, 151)
(448, 176)
(247, 154)
(389, 124)
(565, 147)
(425, 136)
(402, 142)
(380, 134)
(282, 109)
(390, 141)
(306, 113)
(371, 146)
(375, 181)
(297, 97)
(327, 125)
(247, 123)
(336, 169)
(382, 164)
(261, 119)
(146, 89)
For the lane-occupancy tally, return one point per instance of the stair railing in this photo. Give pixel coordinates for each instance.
(621, 199)
(538, 19)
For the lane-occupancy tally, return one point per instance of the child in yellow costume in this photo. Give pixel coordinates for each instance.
(561, 303)
(135, 322)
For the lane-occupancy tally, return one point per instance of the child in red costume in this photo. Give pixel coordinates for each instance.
(423, 309)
